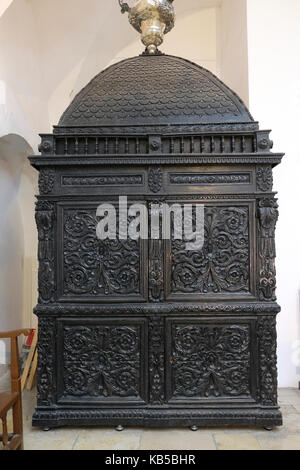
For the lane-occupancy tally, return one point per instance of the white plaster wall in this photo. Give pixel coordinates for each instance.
(67, 69)
(233, 46)
(199, 30)
(274, 91)
(13, 153)
(23, 107)
(4, 4)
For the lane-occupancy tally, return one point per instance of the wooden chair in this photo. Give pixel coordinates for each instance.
(13, 399)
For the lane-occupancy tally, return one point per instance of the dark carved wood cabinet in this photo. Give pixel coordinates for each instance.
(145, 332)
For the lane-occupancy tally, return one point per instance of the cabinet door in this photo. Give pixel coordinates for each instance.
(211, 360)
(92, 270)
(102, 361)
(224, 268)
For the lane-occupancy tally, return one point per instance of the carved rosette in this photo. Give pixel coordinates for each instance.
(264, 178)
(267, 344)
(45, 216)
(156, 360)
(46, 181)
(155, 179)
(268, 216)
(46, 361)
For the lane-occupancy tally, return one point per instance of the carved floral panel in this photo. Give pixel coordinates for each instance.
(222, 265)
(94, 267)
(102, 361)
(210, 361)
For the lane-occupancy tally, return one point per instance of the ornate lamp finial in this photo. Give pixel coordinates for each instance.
(152, 18)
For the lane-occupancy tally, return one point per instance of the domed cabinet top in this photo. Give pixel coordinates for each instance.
(155, 90)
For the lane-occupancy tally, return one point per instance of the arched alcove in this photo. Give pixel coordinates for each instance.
(18, 239)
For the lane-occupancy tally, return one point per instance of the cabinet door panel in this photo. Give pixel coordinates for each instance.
(91, 269)
(103, 361)
(224, 266)
(211, 360)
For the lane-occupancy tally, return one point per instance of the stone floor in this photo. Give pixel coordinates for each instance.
(286, 437)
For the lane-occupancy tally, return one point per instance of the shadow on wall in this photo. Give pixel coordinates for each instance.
(18, 238)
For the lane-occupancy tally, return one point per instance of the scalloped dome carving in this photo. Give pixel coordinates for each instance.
(158, 89)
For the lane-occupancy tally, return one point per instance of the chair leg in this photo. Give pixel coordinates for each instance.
(5, 433)
(17, 417)
(21, 446)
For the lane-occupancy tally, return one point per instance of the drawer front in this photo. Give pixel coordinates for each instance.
(211, 360)
(103, 361)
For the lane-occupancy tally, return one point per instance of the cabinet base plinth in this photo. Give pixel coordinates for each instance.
(262, 417)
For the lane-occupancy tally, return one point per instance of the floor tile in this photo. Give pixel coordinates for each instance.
(168, 439)
(62, 439)
(283, 442)
(242, 441)
(99, 439)
(289, 396)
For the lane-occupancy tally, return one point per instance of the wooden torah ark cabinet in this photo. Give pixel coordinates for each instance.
(144, 332)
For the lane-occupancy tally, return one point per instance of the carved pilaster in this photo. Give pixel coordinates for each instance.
(267, 344)
(156, 276)
(268, 216)
(156, 252)
(46, 361)
(45, 216)
(156, 360)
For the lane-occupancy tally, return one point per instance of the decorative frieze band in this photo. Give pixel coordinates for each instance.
(161, 308)
(102, 180)
(210, 178)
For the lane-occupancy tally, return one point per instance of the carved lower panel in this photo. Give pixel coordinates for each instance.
(104, 361)
(223, 264)
(101, 361)
(210, 360)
